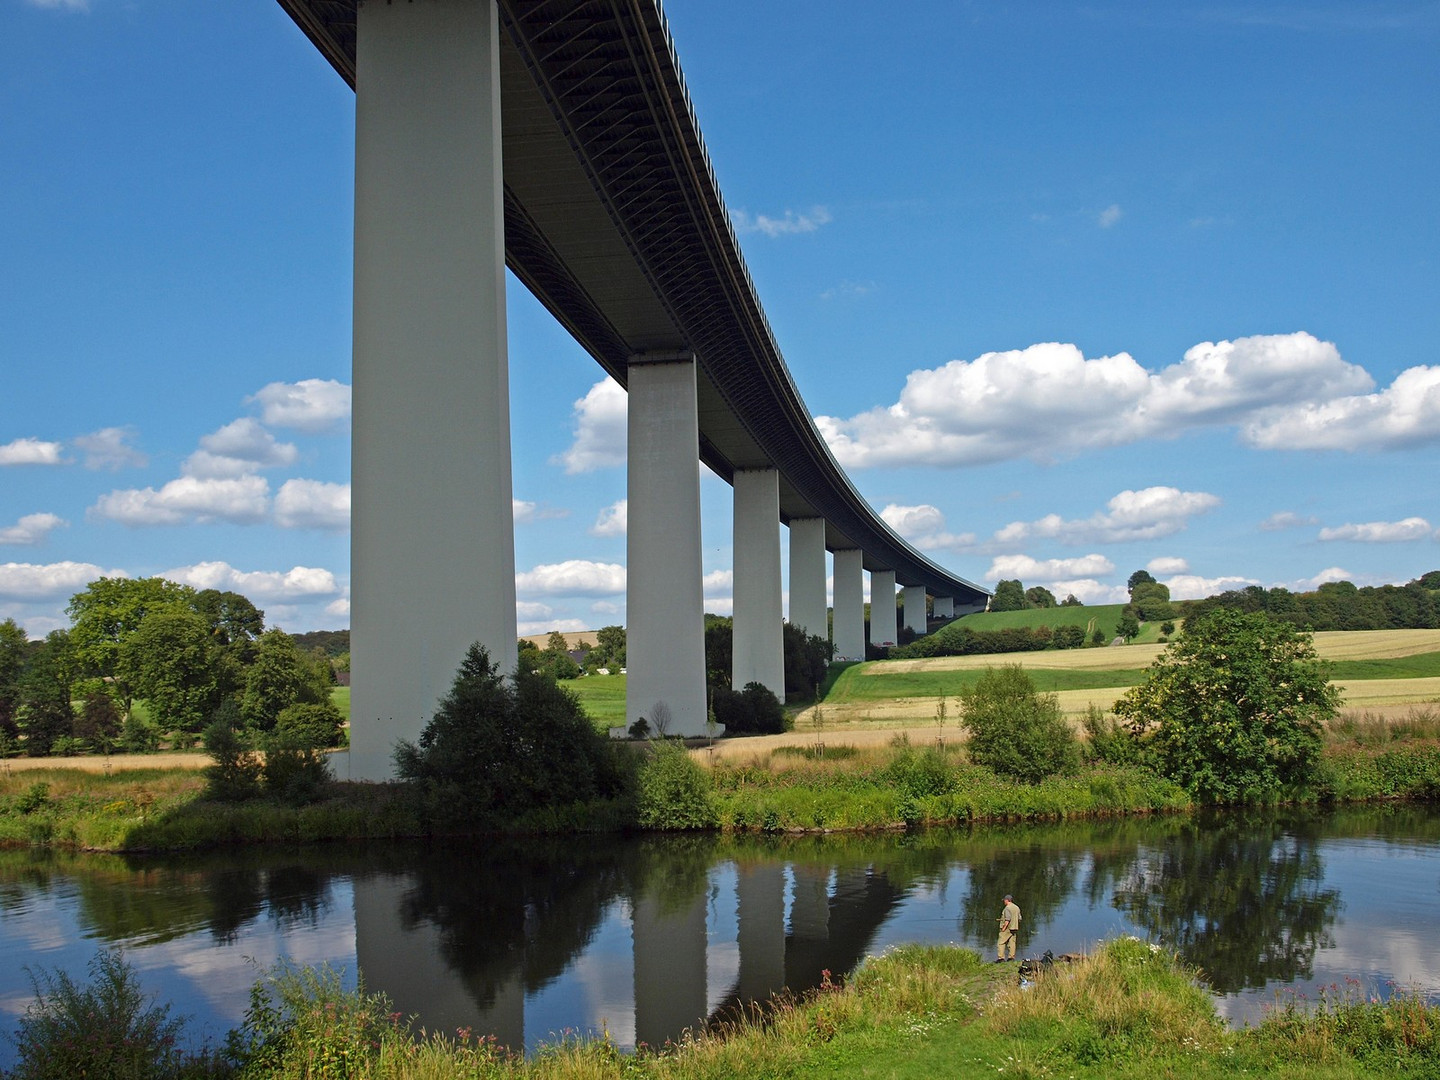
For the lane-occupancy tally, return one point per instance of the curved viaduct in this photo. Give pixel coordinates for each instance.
(556, 137)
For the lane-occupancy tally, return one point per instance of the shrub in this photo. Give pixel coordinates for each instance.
(1014, 730)
(235, 772)
(295, 770)
(1235, 707)
(753, 711)
(674, 791)
(104, 1029)
(315, 723)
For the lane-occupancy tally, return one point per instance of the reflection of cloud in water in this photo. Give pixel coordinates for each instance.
(599, 987)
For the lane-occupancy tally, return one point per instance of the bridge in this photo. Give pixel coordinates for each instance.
(556, 137)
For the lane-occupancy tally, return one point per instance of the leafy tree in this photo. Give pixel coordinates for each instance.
(170, 660)
(1139, 577)
(558, 663)
(13, 647)
(1429, 580)
(45, 692)
(754, 710)
(529, 656)
(99, 721)
(497, 748)
(609, 651)
(1152, 601)
(673, 791)
(316, 724)
(1128, 627)
(719, 650)
(1014, 730)
(1037, 596)
(1071, 600)
(1009, 596)
(1234, 707)
(1068, 637)
(109, 610)
(807, 659)
(279, 677)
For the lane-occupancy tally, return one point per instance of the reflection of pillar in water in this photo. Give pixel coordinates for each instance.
(760, 907)
(407, 964)
(810, 910)
(669, 967)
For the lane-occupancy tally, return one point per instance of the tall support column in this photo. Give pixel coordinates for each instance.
(665, 614)
(849, 615)
(807, 576)
(944, 607)
(915, 608)
(758, 652)
(432, 548)
(883, 621)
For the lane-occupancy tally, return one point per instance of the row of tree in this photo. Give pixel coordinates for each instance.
(192, 656)
(1338, 605)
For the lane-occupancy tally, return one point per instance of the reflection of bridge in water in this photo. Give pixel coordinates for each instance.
(697, 952)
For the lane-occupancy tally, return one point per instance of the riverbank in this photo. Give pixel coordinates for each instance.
(1131, 1009)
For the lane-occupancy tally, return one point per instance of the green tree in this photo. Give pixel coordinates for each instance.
(170, 661)
(1071, 600)
(1139, 577)
(1234, 707)
(280, 676)
(558, 663)
(13, 647)
(1037, 596)
(1128, 626)
(1009, 596)
(719, 650)
(1014, 730)
(107, 612)
(45, 692)
(609, 651)
(807, 659)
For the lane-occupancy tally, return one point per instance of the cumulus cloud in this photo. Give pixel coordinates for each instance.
(599, 430)
(789, 224)
(612, 520)
(31, 529)
(43, 581)
(924, 526)
(1110, 215)
(242, 500)
(308, 405)
(30, 452)
(1404, 414)
(297, 583)
(1049, 400)
(1027, 569)
(526, 512)
(1147, 514)
(1324, 577)
(312, 504)
(545, 626)
(1194, 587)
(1168, 564)
(1380, 532)
(1089, 591)
(237, 449)
(574, 577)
(1285, 519)
(110, 449)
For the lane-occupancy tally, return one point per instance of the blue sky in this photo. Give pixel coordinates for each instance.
(1071, 291)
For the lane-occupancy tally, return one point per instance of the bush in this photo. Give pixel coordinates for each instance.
(674, 791)
(316, 724)
(498, 749)
(235, 774)
(295, 770)
(753, 711)
(1234, 708)
(1015, 731)
(105, 1029)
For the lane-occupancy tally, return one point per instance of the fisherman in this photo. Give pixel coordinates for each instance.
(1009, 927)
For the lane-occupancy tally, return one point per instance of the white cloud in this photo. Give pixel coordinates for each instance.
(1048, 400)
(924, 526)
(1285, 519)
(30, 452)
(1324, 577)
(791, 224)
(243, 500)
(533, 609)
(613, 520)
(1147, 514)
(312, 504)
(1031, 570)
(31, 529)
(1406, 413)
(308, 405)
(574, 577)
(109, 448)
(545, 626)
(1089, 591)
(31, 581)
(1110, 215)
(1194, 587)
(526, 512)
(1380, 532)
(339, 608)
(237, 449)
(599, 430)
(1168, 564)
(299, 582)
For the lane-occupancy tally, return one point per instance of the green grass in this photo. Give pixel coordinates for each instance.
(1419, 666)
(855, 685)
(340, 696)
(1105, 616)
(603, 697)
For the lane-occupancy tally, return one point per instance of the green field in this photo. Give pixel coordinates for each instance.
(1105, 616)
(603, 697)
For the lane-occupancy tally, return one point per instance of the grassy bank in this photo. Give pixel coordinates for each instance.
(1130, 1010)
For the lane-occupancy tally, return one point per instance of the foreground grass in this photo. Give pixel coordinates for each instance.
(1130, 1010)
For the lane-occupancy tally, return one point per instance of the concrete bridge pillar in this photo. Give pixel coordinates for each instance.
(758, 653)
(807, 576)
(432, 550)
(849, 613)
(915, 609)
(883, 619)
(944, 607)
(665, 614)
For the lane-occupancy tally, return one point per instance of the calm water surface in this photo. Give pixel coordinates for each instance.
(647, 937)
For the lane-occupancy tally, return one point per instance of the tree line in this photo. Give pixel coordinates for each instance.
(193, 657)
